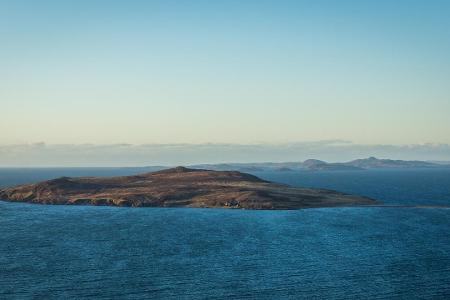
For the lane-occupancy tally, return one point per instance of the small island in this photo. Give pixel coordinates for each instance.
(180, 187)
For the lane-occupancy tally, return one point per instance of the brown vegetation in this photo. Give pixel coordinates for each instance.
(179, 187)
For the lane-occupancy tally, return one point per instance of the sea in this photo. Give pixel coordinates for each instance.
(97, 252)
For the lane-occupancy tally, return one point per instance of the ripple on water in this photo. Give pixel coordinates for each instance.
(107, 252)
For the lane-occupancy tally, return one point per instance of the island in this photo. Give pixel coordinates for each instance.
(180, 187)
(320, 165)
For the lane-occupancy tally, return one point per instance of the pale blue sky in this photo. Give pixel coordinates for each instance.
(371, 72)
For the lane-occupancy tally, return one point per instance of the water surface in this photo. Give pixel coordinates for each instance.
(85, 252)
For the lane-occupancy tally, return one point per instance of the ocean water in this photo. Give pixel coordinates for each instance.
(409, 187)
(83, 252)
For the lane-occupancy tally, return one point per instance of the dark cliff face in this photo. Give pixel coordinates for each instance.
(179, 187)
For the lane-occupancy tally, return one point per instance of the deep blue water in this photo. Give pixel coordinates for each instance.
(409, 187)
(82, 252)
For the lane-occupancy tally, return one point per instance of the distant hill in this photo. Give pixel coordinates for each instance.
(372, 162)
(320, 165)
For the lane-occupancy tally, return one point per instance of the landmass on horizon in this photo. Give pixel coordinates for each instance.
(320, 165)
(180, 187)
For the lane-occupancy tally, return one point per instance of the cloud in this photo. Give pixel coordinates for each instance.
(45, 155)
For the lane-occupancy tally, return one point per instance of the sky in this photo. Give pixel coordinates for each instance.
(224, 72)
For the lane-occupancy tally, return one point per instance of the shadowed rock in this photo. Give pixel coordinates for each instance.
(179, 187)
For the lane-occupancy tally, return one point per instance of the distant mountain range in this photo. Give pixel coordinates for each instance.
(319, 165)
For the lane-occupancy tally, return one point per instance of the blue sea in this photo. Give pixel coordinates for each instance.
(86, 252)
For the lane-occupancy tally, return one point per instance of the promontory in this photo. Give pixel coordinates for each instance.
(180, 187)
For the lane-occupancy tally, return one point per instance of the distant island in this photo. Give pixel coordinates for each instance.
(180, 187)
(320, 165)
